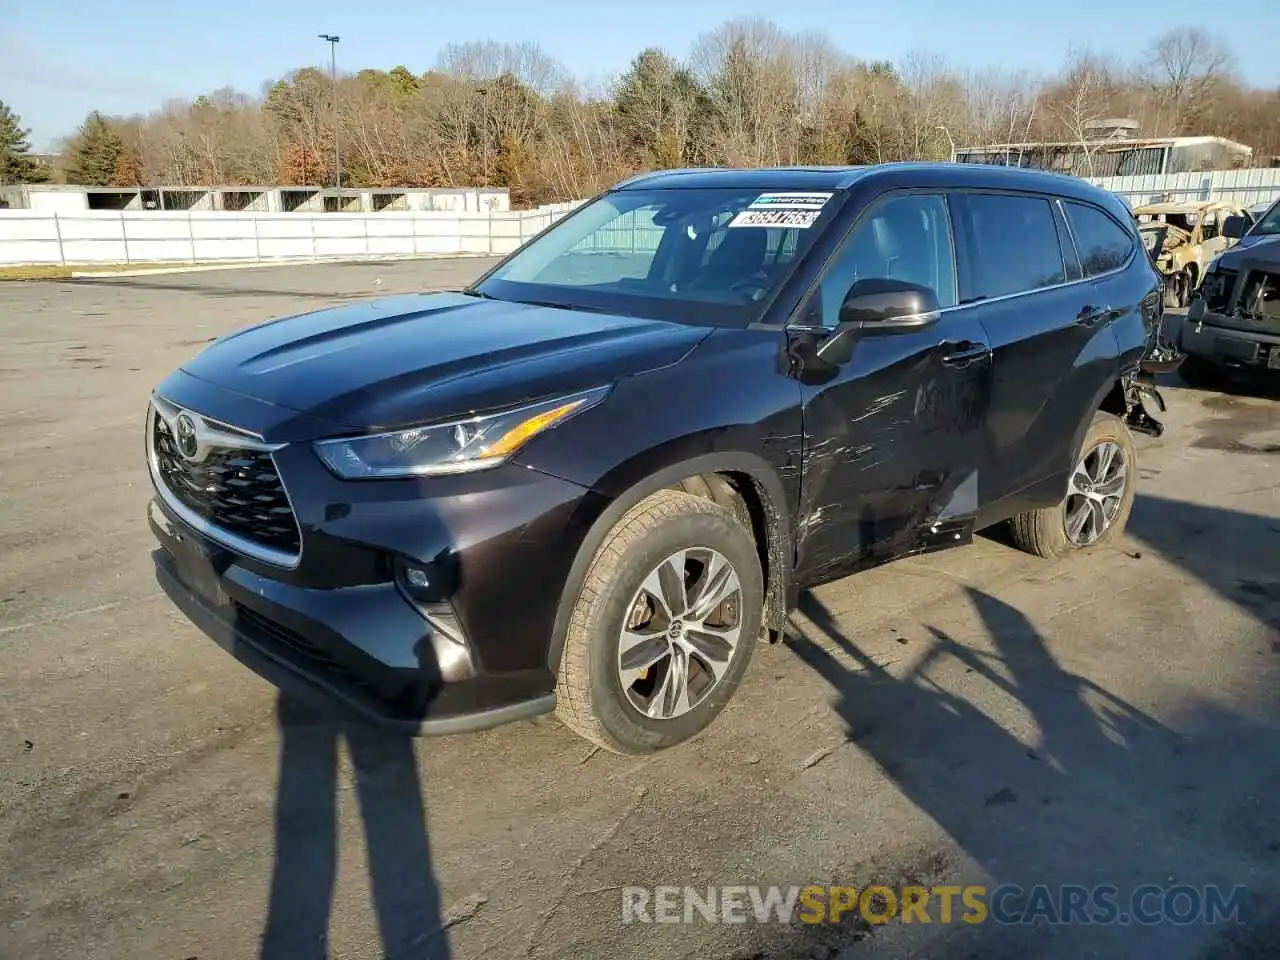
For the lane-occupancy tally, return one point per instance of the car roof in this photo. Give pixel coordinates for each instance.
(755, 178)
(905, 174)
(1190, 206)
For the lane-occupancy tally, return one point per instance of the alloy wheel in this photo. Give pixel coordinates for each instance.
(1095, 493)
(682, 629)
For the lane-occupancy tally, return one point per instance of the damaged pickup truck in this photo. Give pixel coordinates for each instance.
(595, 479)
(1234, 321)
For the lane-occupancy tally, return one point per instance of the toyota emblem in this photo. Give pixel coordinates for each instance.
(184, 433)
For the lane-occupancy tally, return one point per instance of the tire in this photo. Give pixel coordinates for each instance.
(592, 698)
(1044, 532)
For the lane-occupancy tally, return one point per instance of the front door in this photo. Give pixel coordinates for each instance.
(892, 438)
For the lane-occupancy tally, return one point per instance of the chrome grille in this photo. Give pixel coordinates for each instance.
(233, 487)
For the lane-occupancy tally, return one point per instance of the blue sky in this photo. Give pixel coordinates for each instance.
(58, 60)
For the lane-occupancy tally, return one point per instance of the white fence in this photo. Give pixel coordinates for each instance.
(141, 237)
(1242, 187)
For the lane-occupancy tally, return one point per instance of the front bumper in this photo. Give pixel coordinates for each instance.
(1211, 336)
(365, 649)
(468, 651)
(296, 669)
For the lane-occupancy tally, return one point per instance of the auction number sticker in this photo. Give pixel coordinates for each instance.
(795, 210)
(802, 219)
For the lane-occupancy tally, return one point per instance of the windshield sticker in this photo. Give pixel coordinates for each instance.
(790, 201)
(795, 219)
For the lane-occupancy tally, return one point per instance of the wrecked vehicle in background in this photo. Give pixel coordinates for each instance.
(1234, 321)
(1259, 226)
(1182, 239)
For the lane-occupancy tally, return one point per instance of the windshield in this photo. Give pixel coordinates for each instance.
(697, 255)
(1269, 225)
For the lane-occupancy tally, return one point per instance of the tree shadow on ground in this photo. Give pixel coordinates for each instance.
(406, 897)
(1099, 792)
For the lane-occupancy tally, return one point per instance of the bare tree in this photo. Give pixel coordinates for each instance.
(749, 94)
(748, 67)
(483, 60)
(1184, 66)
(1080, 98)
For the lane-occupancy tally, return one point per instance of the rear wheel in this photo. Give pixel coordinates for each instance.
(1099, 495)
(664, 626)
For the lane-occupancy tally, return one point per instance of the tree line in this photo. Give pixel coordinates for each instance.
(747, 94)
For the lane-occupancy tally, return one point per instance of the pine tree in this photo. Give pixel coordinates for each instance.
(16, 163)
(95, 151)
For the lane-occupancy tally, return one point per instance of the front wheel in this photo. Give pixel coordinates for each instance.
(664, 626)
(1099, 495)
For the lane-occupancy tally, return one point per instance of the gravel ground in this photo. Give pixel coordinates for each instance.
(977, 716)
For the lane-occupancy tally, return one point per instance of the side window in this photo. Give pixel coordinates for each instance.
(906, 238)
(1017, 245)
(1104, 245)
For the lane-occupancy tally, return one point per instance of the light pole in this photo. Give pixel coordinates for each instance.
(332, 40)
(484, 120)
(950, 141)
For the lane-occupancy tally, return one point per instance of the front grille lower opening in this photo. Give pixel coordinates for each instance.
(291, 643)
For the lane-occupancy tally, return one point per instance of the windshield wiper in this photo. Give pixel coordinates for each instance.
(554, 305)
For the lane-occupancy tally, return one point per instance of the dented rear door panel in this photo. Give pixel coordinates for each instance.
(1055, 356)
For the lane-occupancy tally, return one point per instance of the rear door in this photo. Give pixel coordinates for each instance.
(1048, 327)
(1107, 248)
(891, 437)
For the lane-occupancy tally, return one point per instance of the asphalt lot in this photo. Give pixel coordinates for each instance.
(974, 716)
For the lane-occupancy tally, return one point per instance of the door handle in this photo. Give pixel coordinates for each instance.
(962, 353)
(1092, 316)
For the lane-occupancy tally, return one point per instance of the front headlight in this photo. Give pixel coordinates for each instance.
(457, 446)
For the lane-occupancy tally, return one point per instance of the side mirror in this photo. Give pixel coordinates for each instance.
(1234, 227)
(879, 306)
(889, 306)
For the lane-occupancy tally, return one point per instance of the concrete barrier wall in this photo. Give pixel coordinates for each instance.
(1243, 187)
(136, 236)
(128, 236)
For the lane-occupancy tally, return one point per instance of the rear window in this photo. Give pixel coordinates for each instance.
(1017, 245)
(1103, 244)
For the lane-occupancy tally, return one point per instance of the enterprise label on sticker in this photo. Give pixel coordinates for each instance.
(801, 219)
(790, 201)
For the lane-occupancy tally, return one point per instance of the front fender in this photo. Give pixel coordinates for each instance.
(608, 510)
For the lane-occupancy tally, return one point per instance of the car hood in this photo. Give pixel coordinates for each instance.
(387, 363)
(1262, 254)
(1252, 240)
